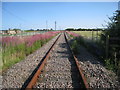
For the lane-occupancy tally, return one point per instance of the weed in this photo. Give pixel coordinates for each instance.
(74, 46)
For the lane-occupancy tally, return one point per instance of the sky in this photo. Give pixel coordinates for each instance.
(59, 0)
(35, 15)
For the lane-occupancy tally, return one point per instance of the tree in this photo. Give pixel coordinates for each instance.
(70, 29)
(113, 30)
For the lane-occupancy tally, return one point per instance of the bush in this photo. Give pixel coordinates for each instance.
(74, 46)
(109, 64)
(92, 46)
(112, 30)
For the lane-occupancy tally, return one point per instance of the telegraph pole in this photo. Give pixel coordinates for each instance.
(97, 35)
(55, 25)
(20, 29)
(92, 34)
(46, 25)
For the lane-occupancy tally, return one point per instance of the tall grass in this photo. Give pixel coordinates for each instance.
(15, 49)
(74, 44)
(87, 34)
(92, 46)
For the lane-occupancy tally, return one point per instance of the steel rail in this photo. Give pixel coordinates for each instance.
(32, 79)
(78, 65)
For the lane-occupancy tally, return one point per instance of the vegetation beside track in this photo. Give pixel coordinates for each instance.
(15, 49)
(92, 46)
(88, 34)
(113, 46)
(99, 46)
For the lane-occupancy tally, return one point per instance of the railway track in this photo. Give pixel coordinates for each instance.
(58, 68)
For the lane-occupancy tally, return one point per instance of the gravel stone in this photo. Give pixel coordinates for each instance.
(1, 79)
(60, 69)
(96, 73)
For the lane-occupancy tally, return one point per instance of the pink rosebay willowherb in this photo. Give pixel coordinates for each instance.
(29, 40)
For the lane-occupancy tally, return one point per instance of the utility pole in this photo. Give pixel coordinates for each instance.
(55, 25)
(20, 29)
(46, 25)
(92, 34)
(97, 35)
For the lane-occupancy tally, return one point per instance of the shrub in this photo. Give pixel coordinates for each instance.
(74, 46)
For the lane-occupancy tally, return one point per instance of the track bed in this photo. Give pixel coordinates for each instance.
(60, 70)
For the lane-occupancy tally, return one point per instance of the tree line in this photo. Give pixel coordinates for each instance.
(82, 29)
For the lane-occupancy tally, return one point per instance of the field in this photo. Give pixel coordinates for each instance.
(24, 33)
(89, 34)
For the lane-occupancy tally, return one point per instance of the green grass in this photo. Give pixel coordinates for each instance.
(14, 54)
(1, 63)
(87, 34)
(93, 46)
(74, 46)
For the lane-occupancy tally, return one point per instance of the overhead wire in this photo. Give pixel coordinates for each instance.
(21, 19)
(12, 14)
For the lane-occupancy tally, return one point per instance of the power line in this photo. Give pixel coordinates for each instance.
(19, 18)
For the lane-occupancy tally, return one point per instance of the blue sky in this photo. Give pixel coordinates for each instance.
(33, 15)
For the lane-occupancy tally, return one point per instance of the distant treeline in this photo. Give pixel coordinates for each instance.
(37, 30)
(80, 29)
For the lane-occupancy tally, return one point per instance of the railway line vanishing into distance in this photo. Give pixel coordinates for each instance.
(59, 68)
